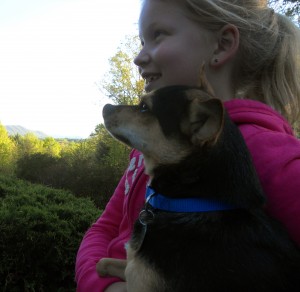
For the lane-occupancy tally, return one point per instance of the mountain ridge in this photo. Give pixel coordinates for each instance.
(16, 129)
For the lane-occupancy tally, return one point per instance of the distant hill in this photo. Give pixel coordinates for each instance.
(13, 130)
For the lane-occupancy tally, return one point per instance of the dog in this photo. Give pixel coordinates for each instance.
(203, 226)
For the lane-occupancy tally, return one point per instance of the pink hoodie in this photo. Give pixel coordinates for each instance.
(276, 155)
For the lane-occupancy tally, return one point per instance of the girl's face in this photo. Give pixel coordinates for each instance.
(173, 46)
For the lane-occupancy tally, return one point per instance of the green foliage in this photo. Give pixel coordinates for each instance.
(29, 144)
(109, 151)
(39, 168)
(41, 229)
(51, 147)
(89, 168)
(7, 150)
(123, 83)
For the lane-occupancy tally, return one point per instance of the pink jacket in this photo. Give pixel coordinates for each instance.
(276, 155)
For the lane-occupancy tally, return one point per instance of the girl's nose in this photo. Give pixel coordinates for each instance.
(142, 59)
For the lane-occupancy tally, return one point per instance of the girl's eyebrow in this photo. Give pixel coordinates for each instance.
(145, 30)
(151, 26)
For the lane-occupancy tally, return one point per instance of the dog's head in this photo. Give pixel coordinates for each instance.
(188, 141)
(167, 124)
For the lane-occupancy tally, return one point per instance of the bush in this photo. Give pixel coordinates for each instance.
(84, 177)
(37, 168)
(41, 229)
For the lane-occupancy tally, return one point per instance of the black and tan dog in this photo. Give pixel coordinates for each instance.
(203, 227)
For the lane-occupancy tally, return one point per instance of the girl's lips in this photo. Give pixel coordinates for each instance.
(149, 80)
(150, 77)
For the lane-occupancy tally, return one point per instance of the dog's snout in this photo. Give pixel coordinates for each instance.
(107, 110)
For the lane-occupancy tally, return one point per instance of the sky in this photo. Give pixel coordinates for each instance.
(52, 55)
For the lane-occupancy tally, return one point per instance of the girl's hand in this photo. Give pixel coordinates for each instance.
(116, 287)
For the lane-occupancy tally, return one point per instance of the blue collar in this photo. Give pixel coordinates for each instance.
(185, 205)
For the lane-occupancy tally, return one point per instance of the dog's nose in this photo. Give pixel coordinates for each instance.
(107, 110)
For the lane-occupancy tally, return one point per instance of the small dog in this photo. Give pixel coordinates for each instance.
(203, 227)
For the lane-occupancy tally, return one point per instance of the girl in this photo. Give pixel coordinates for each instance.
(251, 56)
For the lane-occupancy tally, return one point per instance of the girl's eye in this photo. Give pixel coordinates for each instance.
(144, 107)
(157, 33)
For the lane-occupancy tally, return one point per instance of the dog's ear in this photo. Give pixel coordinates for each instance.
(206, 121)
(203, 82)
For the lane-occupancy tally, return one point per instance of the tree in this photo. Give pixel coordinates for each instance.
(38, 168)
(51, 147)
(109, 151)
(7, 151)
(123, 83)
(290, 8)
(29, 144)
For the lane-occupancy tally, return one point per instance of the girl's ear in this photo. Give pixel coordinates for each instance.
(227, 47)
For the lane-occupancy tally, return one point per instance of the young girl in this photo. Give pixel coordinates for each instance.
(252, 62)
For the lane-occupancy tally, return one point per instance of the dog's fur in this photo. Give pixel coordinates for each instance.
(192, 149)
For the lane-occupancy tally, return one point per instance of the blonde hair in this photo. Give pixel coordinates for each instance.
(268, 67)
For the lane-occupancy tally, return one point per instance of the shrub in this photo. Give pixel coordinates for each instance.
(84, 177)
(36, 168)
(41, 229)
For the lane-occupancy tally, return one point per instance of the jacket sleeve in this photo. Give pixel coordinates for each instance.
(95, 243)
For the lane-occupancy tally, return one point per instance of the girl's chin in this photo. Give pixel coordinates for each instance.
(153, 85)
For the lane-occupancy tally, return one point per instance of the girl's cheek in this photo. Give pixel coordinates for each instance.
(163, 53)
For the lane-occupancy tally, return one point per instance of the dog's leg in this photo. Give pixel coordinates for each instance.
(111, 267)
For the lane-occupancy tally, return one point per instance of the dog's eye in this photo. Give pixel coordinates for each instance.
(143, 107)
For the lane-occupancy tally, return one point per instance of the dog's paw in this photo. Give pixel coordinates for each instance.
(108, 267)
